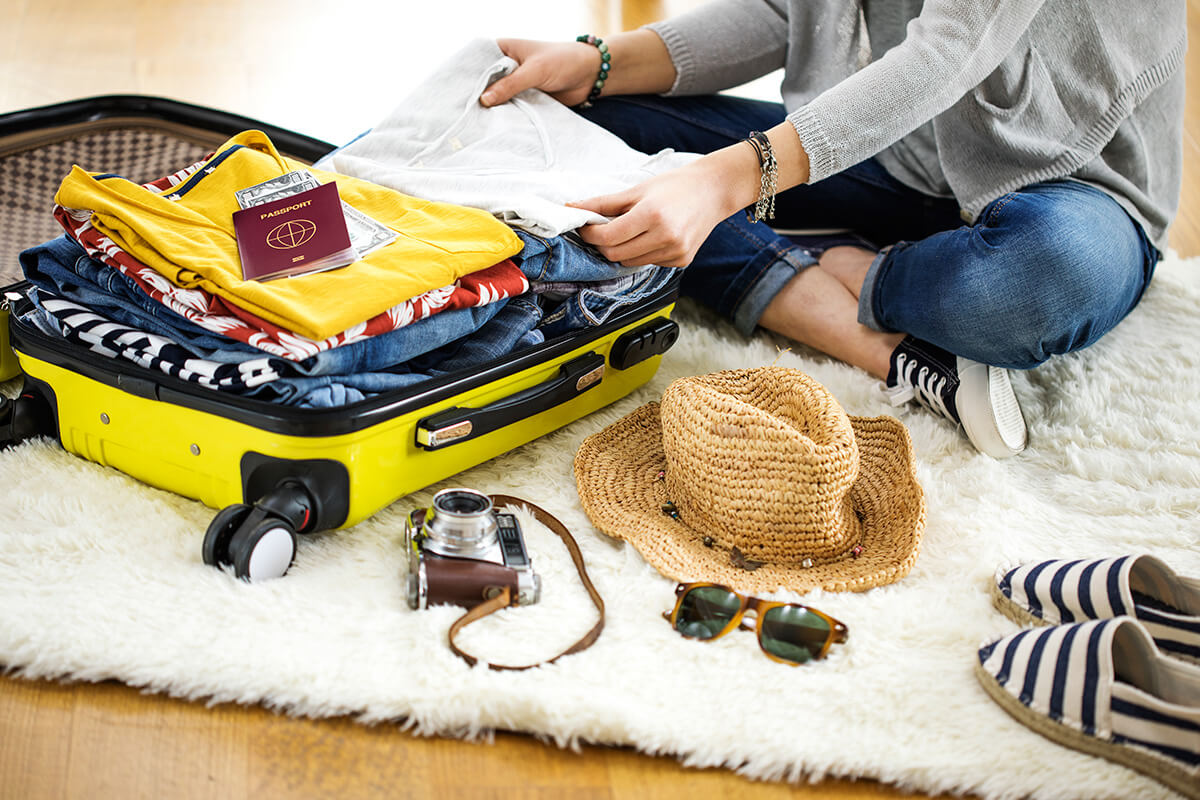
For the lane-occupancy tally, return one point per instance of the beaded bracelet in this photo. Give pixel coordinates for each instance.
(605, 65)
(764, 207)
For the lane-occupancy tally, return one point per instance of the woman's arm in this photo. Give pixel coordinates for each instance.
(718, 45)
(725, 43)
(665, 219)
(567, 70)
(948, 50)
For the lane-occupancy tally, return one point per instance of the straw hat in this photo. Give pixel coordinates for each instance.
(757, 479)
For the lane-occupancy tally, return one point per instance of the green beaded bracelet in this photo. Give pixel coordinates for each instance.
(605, 66)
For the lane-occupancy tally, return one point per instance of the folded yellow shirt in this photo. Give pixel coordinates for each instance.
(187, 236)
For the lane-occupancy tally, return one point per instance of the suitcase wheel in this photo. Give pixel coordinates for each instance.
(263, 551)
(220, 532)
(258, 545)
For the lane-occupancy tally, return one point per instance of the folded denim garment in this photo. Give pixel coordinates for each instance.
(580, 287)
(110, 294)
(277, 380)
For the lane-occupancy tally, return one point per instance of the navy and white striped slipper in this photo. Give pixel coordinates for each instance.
(1102, 687)
(1056, 592)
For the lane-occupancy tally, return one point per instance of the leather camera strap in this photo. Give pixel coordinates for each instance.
(504, 599)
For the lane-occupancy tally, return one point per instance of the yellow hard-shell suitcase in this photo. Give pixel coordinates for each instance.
(275, 470)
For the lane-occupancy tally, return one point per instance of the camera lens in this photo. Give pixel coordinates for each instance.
(461, 523)
(463, 502)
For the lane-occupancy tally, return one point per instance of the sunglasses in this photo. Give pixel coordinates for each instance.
(787, 632)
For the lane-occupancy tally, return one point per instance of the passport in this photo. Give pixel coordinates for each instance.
(305, 232)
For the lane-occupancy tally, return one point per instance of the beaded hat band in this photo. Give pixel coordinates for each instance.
(757, 479)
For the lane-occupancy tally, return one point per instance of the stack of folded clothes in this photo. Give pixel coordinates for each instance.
(151, 273)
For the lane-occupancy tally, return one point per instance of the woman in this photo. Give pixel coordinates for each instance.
(1008, 169)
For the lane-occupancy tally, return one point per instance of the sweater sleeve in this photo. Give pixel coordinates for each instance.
(724, 43)
(947, 51)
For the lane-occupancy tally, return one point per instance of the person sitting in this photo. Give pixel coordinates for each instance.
(1003, 176)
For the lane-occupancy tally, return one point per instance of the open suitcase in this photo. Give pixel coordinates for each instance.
(274, 471)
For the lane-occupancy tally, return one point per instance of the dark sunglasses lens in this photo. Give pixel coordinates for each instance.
(794, 633)
(705, 611)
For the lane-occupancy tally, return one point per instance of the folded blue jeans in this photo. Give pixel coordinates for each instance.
(592, 288)
(61, 267)
(444, 343)
(1044, 270)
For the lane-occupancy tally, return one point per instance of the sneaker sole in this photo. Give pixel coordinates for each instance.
(1001, 433)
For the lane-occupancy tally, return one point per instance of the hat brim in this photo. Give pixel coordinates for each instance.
(617, 475)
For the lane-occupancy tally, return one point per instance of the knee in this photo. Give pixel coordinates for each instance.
(1054, 283)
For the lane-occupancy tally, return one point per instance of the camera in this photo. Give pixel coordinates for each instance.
(462, 552)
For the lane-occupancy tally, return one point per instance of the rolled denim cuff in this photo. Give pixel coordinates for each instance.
(866, 297)
(750, 308)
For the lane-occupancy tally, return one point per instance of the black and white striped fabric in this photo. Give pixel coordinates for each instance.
(1106, 682)
(114, 340)
(1064, 591)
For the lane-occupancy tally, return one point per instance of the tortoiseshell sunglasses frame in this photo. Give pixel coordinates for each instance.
(838, 632)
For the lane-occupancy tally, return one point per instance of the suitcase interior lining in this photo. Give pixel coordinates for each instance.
(32, 165)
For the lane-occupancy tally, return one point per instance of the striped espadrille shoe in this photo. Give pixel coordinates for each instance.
(1102, 687)
(1055, 592)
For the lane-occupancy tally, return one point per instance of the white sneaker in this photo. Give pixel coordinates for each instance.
(974, 395)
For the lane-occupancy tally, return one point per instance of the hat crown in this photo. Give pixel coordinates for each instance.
(762, 460)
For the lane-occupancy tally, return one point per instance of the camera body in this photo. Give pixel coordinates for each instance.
(462, 552)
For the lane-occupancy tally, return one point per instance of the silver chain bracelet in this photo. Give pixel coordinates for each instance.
(764, 206)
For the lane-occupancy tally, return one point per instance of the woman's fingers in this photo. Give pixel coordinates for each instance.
(631, 253)
(561, 69)
(639, 232)
(508, 87)
(663, 220)
(630, 241)
(607, 205)
(663, 257)
(525, 76)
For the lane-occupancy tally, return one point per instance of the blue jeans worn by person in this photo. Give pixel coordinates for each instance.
(1044, 270)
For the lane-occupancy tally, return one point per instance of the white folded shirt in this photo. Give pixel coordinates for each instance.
(521, 160)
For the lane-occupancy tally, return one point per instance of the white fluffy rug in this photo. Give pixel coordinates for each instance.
(101, 577)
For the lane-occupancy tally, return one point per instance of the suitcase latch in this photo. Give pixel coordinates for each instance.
(458, 424)
(587, 380)
(446, 435)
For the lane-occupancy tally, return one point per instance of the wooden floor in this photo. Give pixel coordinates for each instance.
(329, 68)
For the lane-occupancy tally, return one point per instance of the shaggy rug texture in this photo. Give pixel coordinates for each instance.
(101, 578)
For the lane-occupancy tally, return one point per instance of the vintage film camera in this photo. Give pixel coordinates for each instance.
(461, 552)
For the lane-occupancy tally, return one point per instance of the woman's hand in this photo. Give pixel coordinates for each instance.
(563, 70)
(665, 219)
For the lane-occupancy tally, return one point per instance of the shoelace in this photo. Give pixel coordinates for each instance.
(927, 387)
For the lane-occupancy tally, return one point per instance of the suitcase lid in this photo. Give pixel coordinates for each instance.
(139, 137)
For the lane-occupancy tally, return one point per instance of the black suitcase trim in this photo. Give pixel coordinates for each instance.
(44, 122)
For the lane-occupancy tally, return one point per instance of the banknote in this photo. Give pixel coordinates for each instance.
(276, 188)
(366, 234)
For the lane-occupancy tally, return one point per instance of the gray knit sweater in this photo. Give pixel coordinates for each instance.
(964, 98)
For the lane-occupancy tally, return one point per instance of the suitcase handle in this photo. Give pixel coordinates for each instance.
(460, 424)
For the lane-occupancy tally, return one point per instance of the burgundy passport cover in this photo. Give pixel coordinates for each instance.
(302, 233)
